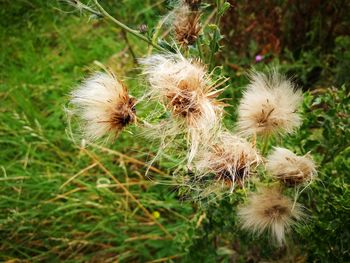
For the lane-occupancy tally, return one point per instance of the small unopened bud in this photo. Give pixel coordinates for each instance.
(143, 28)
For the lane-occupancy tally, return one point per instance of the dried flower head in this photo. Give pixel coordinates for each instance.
(269, 105)
(186, 90)
(268, 210)
(230, 159)
(289, 168)
(186, 25)
(104, 105)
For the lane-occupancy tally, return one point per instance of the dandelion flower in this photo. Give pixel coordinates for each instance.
(186, 25)
(230, 159)
(184, 88)
(269, 106)
(268, 210)
(289, 168)
(103, 104)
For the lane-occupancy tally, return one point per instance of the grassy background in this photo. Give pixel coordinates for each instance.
(59, 202)
(44, 53)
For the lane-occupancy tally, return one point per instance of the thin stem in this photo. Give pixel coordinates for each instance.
(105, 14)
(217, 22)
(265, 145)
(129, 46)
(199, 47)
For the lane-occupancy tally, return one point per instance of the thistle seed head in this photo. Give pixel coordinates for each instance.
(229, 158)
(103, 104)
(186, 25)
(290, 169)
(185, 89)
(268, 210)
(269, 106)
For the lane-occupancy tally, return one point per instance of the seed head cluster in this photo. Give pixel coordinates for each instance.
(189, 113)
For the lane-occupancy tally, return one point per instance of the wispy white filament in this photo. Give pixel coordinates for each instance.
(98, 101)
(269, 105)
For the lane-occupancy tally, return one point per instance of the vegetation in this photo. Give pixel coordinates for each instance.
(62, 202)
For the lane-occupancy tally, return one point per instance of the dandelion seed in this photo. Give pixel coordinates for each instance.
(186, 25)
(268, 210)
(186, 90)
(103, 104)
(269, 106)
(230, 158)
(289, 168)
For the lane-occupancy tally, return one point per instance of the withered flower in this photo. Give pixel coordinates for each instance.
(269, 106)
(290, 169)
(186, 25)
(185, 89)
(230, 158)
(103, 104)
(268, 210)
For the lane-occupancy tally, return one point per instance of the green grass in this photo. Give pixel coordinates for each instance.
(59, 202)
(42, 57)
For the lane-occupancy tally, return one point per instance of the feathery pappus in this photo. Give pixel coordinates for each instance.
(230, 158)
(268, 210)
(104, 105)
(290, 168)
(186, 25)
(185, 89)
(269, 105)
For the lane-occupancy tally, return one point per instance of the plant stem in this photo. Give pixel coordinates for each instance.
(217, 21)
(199, 47)
(105, 14)
(265, 145)
(129, 46)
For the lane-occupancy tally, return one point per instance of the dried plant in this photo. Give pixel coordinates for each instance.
(229, 158)
(269, 105)
(289, 168)
(185, 89)
(103, 104)
(185, 83)
(186, 25)
(268, 210)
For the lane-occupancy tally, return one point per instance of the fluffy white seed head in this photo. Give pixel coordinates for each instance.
(268, 210)
(103, 104)
(289, 168)
(230, 159)
(185, 89)
(269, 106)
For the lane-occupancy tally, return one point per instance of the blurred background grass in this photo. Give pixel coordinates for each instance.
(61, 203)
